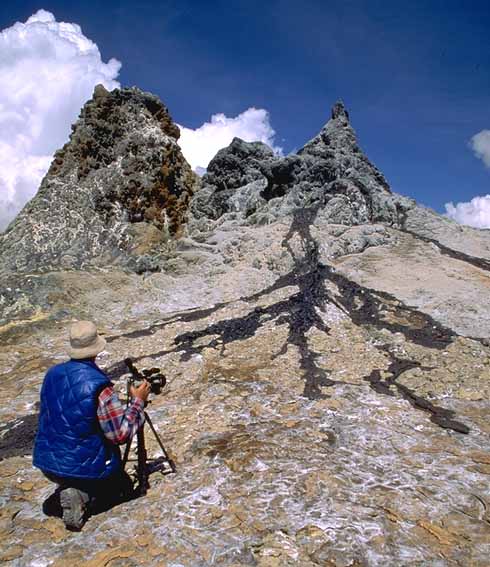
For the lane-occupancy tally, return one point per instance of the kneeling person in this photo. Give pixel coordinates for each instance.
(81, 424)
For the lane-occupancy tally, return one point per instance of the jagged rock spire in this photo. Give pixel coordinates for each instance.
(330, 171)
(339, 111)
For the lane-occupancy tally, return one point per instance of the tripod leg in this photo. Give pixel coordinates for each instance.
(159, 441)
(126, 453)
(143, 483)
(155, 433)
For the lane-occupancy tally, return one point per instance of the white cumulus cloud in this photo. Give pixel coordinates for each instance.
(199, 146)
(474, 213)
(48, 69)
(481, 146)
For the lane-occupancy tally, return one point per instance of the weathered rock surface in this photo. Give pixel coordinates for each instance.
(313, 421)
(330, 171)
(116, 189)
(444, 232)
(328, 382)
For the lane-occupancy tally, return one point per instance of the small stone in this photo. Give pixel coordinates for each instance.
(470, 395)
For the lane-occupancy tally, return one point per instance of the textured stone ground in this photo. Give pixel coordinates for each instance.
(326, 343)
(302, 407)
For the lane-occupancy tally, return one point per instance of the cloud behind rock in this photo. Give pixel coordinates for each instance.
(48, 69)
(199, 146)
(480, 143)
(474, 213)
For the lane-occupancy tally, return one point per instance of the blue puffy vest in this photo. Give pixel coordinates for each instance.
(69, 441)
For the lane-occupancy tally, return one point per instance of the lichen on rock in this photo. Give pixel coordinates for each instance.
(122, 165)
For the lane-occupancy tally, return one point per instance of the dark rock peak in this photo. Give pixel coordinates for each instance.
(241, 147)
(243, 150)
(330, 171)
(339, 111)
(336, 134)
(242, 160)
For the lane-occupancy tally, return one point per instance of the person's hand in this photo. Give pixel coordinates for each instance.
(142, 391)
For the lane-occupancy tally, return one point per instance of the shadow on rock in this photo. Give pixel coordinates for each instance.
(17, 436)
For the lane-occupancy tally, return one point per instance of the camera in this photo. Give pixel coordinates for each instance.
(154, 376)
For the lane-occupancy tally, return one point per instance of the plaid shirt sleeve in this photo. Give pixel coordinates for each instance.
(117, 422)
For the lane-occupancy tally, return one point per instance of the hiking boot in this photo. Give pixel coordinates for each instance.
(52, 505)
(74, 506)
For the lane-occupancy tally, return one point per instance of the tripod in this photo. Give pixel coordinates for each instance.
(146, 466)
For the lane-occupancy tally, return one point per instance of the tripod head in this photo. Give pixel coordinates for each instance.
(154, 376)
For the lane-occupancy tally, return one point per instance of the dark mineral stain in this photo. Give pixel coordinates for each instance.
(17, 436)
(440, 416)
(298, 312)
(371, 308)
(367, 308)
(312, 295)
(481, 263)
(182, 317)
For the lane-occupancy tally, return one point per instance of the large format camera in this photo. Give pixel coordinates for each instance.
(154, 376)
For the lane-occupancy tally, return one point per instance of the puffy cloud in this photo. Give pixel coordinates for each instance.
(199, 146)
(48, 69)
(474, 213)
(481, 146)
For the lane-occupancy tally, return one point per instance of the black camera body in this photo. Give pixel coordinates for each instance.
(154, 376)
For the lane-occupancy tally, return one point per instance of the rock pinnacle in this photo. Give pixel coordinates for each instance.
(339, 110)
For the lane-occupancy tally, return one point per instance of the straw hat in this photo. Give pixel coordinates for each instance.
(85, 342)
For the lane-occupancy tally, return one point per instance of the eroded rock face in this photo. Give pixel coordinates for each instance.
(237, 166)
(330, 171)
(118, 186)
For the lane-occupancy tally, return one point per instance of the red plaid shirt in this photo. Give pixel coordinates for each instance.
(117, 422)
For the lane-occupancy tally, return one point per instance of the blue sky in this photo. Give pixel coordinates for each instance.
(415, 76)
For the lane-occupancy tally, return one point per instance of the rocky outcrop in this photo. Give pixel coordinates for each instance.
(117, 188)
(234, 180)
(120, 188)
(328, 382)
(330, 172)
